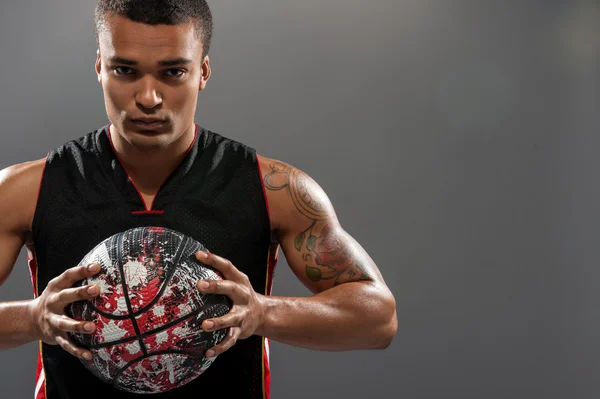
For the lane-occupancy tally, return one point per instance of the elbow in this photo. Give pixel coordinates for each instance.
(389, 333)
(389, 324)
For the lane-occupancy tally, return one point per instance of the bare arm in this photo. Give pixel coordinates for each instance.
(351, 308)
(18, 194)
(42, 318)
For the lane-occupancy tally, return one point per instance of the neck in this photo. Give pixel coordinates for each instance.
(150, 167)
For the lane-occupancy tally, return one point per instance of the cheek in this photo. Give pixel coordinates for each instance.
(183, 98)
(116, 94)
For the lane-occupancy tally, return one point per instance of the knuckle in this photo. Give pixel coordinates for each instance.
(52, 299)
(237, 290)
(58, 297)
(82, 292)
(223, 346)
(61, 324)
(236, 334)
(240, 316)
(52, 283)
(241, 290)
(46, 321)
(79, 328)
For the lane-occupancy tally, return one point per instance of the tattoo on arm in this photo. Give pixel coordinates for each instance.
(326, 256)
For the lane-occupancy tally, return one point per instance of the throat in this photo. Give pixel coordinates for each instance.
(149, 184)
(148, 171)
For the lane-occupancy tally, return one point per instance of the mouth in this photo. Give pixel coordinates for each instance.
(148, 124)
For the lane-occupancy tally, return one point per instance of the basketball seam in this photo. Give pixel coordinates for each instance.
(182, 246)
(156, 330)
(178, 254)
(122, 370)
(120, 238)
(167, 351)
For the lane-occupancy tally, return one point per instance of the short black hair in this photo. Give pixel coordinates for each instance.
(154, 12)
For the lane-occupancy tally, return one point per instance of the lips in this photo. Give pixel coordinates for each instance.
(148, 123)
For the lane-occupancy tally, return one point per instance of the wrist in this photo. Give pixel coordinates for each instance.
(31, 320)
(265, 303)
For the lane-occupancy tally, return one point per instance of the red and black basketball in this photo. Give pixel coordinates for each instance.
(148, 315)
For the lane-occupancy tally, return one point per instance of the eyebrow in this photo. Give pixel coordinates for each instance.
(173, 62)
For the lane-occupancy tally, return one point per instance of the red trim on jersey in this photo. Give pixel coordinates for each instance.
(40, 375)
(135, 213)
(32, 263)
(146, 209)
(267, 370)
(273, 258)
(40, 385)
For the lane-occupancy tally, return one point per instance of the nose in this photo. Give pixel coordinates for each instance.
(147, 95)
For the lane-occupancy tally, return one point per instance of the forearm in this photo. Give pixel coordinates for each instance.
(348, 316)
(16, 324)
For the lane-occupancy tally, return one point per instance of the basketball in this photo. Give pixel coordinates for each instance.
(148, 315)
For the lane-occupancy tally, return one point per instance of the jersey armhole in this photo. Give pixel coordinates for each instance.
(40, 205)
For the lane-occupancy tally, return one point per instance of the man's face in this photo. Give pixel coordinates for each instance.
(150, 72)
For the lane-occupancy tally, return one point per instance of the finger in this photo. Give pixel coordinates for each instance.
(231, 319)
(73, 349)
(229, 271)
(70, 295)
(75, 274)
(236, 292)
(227, 342)
(66, 324)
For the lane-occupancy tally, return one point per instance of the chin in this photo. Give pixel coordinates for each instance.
(149, 140)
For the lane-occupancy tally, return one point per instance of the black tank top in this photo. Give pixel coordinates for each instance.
(215, 195)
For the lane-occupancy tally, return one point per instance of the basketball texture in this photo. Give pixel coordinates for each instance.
(148, 314)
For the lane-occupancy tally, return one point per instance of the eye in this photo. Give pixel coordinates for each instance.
(120, 70)
(174, 73)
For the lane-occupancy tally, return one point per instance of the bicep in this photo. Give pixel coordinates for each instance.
(10, 246)
(318, 250)
(325, 255)
(18, 196)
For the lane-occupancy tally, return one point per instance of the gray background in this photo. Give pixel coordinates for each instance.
(457, 140)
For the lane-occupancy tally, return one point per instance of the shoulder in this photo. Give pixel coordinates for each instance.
(224, 144)
(81, 146)
(293, 197)
(19, 188)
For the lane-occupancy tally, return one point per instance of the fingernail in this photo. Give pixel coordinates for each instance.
(210, 324)
(210, 353)
(203, 285)
(94, 267)
(88, 327)
(87, 356)
(202, 254)
(93, 290)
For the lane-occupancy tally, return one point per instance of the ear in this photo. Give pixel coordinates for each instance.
(98, 66)
(205, 73)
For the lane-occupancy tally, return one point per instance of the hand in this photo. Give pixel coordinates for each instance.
(51, 322)
(247, 313)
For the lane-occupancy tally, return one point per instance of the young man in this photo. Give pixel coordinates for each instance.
(152, 165)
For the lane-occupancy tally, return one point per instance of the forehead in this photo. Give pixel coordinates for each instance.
(125, 38)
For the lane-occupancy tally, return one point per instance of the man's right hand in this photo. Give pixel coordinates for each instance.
(48, 310)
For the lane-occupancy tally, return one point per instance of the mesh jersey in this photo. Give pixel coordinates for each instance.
(215, 195)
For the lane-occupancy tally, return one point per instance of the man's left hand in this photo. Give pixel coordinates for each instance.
(247, 312)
